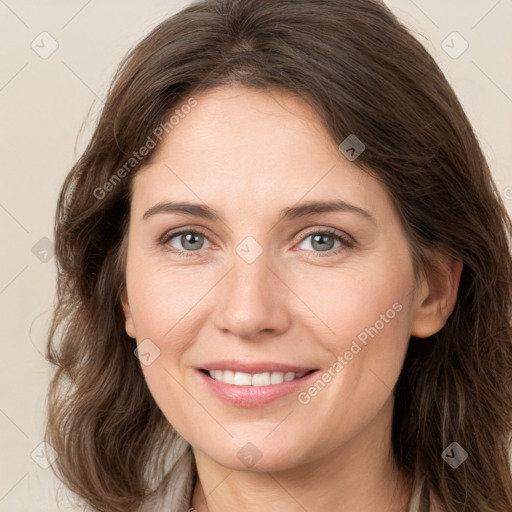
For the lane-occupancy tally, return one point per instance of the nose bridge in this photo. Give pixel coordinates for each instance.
(254, 273)
(251, 299)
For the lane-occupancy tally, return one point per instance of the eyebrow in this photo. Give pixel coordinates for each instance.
(289, 213)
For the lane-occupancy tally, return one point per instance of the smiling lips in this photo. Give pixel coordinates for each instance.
(253, 384)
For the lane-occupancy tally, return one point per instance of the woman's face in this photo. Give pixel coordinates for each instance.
(249, 280)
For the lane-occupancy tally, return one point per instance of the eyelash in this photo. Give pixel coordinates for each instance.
(347, 241)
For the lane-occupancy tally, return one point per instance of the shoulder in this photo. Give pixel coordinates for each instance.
(175, 490)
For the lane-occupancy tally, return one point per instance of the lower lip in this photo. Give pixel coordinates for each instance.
(254, 396)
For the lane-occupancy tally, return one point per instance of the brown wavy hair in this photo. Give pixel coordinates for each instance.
(365, 74)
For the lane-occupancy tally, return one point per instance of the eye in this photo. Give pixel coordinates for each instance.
(325, 239)
(189, 241)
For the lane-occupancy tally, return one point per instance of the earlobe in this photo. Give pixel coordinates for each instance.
(129, 325)
(437, 299)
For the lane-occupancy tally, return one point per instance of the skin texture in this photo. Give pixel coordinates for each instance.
(248, 154)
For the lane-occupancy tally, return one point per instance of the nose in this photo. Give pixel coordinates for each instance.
(251, 300)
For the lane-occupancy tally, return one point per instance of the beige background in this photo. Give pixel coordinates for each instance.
(44, 102)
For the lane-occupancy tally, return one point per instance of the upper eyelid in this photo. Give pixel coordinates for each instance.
(178, 231)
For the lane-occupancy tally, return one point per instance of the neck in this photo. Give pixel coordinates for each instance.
(360, 475)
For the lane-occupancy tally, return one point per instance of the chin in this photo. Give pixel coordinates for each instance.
(260, 456)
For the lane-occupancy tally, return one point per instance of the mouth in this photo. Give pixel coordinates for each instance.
(255, 384)
(263, 379)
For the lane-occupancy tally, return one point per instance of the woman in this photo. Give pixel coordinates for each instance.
(284, 276)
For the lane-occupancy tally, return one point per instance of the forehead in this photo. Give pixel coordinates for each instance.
(235, 123)
(245, 149)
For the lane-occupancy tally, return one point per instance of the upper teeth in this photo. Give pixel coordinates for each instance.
(256, 379)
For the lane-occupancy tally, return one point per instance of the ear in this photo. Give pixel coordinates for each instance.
(129, 325)
(436, 298)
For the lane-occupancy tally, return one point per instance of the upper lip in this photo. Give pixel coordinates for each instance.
(254, 367)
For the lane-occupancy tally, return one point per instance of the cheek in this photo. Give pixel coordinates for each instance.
(370, 320)
(365, 317)
(164, 302)
(163, 309)
(357, 303)
(166, 306)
